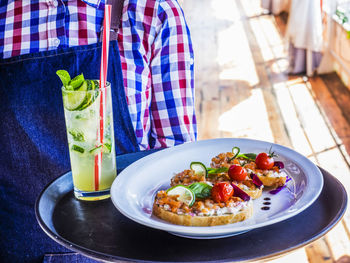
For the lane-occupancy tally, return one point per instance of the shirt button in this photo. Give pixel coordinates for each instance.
(52, 2)
(191, 61)
(55, 42)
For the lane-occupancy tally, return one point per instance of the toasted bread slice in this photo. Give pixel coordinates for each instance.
(272, 181)
(254, 193)
(188, 220)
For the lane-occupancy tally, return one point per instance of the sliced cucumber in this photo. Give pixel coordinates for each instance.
(97, 84)
(199, 168)
(91, 94)
(184, 194)
(235, 151)
(73, 100)
(91, 84)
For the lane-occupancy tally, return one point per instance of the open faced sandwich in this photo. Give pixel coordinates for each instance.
(219, 194)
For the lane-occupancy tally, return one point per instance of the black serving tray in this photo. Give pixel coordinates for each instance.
(97, 229)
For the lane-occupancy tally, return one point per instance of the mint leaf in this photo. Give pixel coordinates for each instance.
(78, 148)
(77, 135)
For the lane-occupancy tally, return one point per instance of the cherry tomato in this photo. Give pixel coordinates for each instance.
(264, 161)
(221, 191)
(237, 172)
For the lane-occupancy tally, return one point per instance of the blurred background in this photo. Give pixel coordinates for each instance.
(279, 71)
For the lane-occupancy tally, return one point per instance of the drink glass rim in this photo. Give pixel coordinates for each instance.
(63, 88)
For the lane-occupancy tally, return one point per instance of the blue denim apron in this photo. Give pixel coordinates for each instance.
(33, 140)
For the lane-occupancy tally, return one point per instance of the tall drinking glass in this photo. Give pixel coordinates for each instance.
(82, 115)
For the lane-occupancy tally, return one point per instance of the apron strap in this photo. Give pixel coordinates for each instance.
(117, 11)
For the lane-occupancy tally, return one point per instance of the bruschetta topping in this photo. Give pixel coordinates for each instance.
(206, 207)
(187, 177)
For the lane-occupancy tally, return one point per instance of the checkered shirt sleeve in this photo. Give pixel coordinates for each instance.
(157, 61)
(173, 118)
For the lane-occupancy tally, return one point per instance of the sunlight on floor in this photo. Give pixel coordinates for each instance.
(299, 141)
(244, 91)
(248, 119)
(234, 56)
(225, 9)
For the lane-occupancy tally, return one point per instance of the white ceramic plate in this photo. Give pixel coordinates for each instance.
(134, 189)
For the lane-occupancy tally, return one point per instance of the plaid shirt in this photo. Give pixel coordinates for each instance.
(155, 49)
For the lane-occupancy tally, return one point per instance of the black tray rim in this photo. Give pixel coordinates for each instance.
(108, 258)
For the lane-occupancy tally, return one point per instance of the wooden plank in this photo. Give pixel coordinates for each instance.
(298, 256)
(318, 252)
(295, 131)
(330, 107)
(340, 92)
(229, 96)
(232, 93)
(333, 161)
(209, 122)
(274, 116)
(281, 23)
(338, 243)
(312, 121)
(251, 8)
(248, 118)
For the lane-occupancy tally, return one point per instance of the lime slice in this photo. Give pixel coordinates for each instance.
(199, 168)
(77, 81)
(184, 193)
(64, 76)
(72, 100)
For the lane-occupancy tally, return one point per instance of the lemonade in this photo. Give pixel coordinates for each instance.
(81, 100)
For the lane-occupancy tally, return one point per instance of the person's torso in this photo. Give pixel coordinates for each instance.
(42, 25)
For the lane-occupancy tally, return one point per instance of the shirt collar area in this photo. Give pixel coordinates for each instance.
(93, 3)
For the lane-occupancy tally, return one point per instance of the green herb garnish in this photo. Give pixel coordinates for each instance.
(201, 190)
(77, 135)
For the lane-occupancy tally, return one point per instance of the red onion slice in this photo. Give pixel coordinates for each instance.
(238, 192)
(279, 164)
(256, 180)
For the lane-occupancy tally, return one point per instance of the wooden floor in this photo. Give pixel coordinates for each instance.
(243, 90)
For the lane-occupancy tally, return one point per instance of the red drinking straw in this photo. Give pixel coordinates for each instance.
(103, 76)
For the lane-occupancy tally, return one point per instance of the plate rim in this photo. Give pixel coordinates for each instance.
(216, 230)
